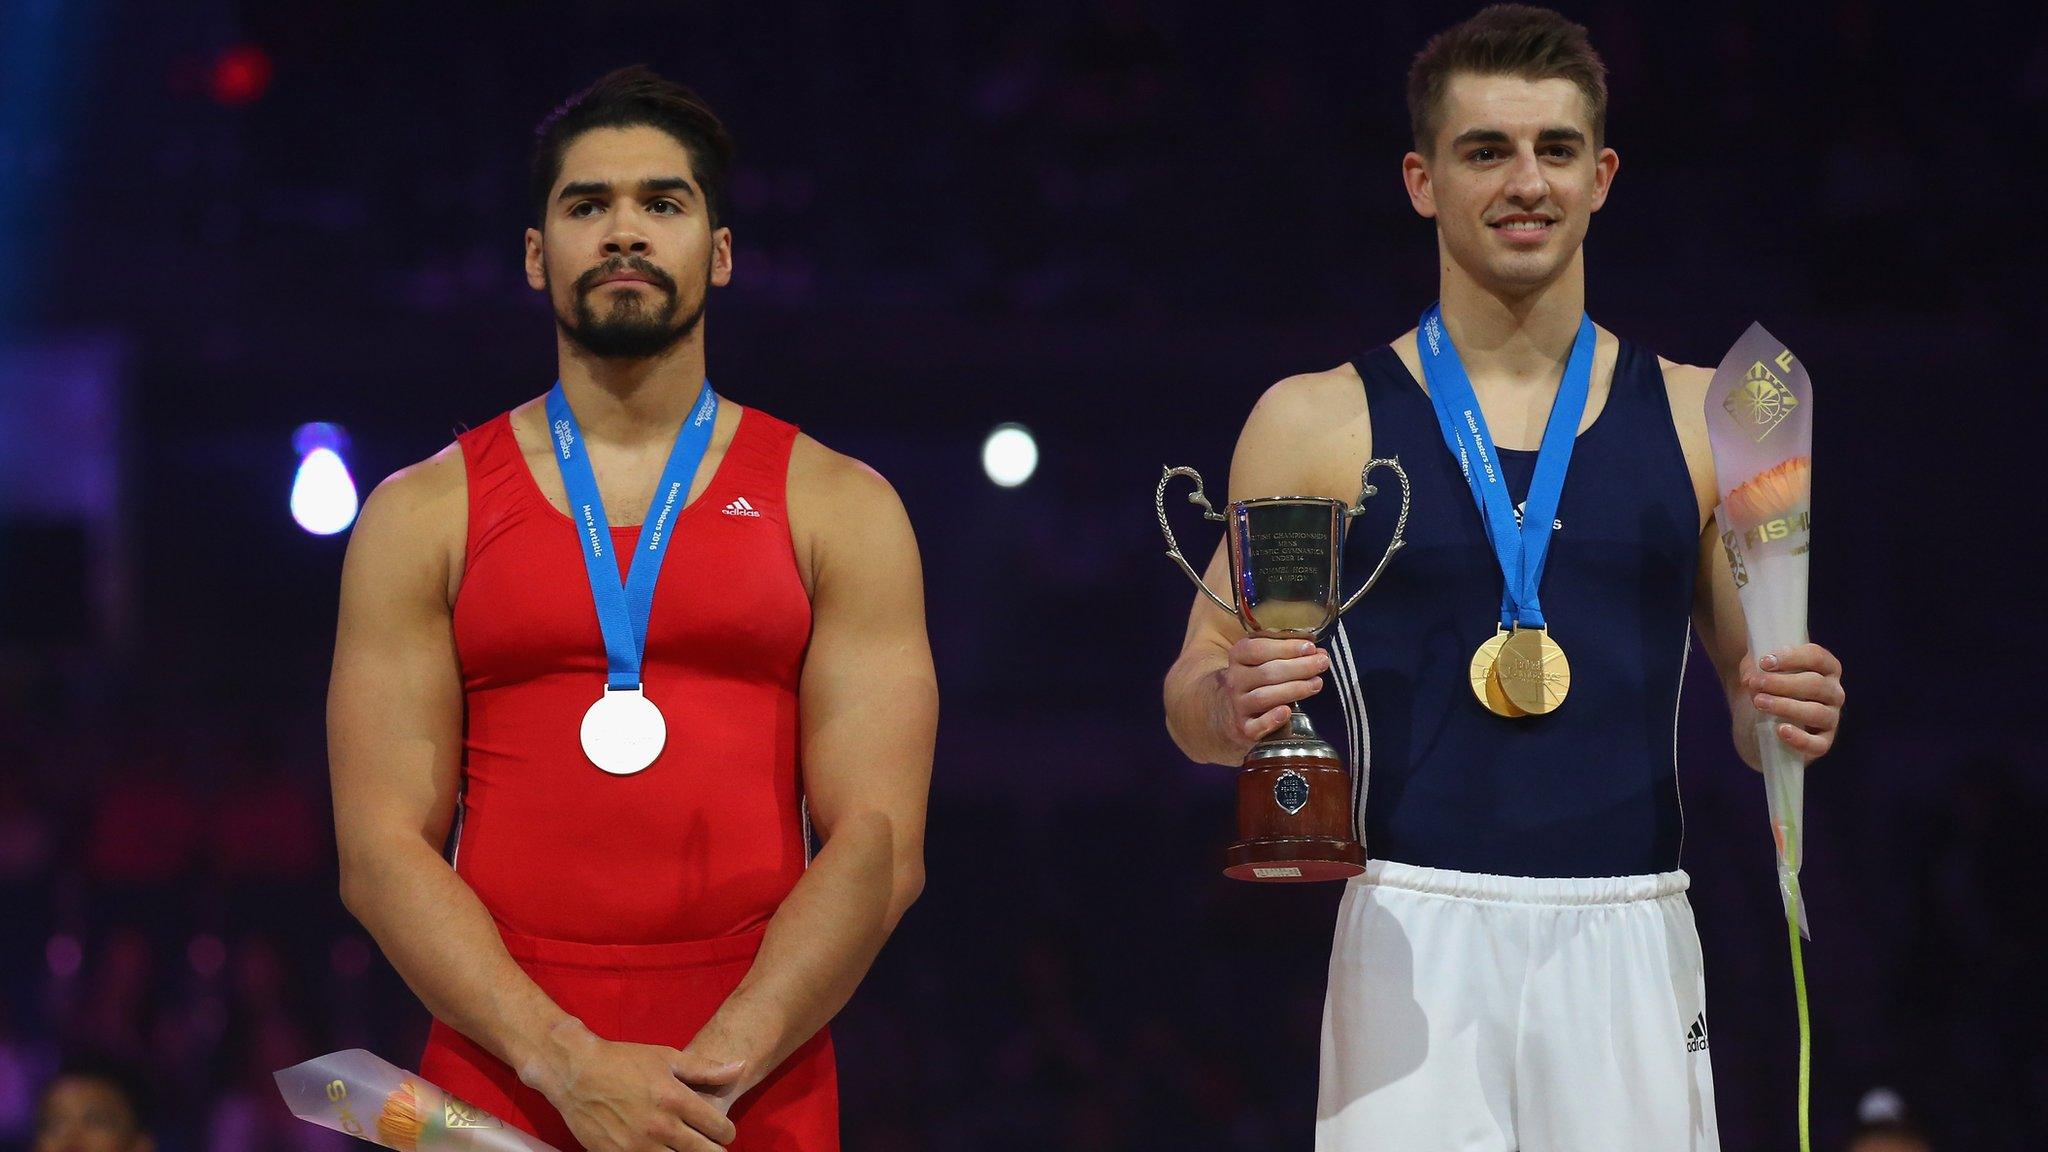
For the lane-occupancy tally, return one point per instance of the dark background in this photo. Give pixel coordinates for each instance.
(1115, 223)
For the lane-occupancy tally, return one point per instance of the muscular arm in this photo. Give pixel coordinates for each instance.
(394, 731)
(1800, 688)
(1302, 438)
(868, 709)
(394, 722)
(1716, 609)
(1717, 615)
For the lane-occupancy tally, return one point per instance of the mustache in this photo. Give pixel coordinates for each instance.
(639, 265)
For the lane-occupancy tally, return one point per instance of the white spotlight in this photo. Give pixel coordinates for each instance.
(323, 493)
(1009, 455)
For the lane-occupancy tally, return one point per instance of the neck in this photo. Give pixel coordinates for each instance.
(629, 401)
(1514, 337)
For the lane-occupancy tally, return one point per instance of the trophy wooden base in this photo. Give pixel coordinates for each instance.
(1293, 812)
(1293, 861)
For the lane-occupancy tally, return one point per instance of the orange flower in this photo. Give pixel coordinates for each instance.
(398, 1125)
(1771, 493)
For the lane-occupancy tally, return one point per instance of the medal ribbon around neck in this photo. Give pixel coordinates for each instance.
(1522, 672)
(623, 731)
(1521, 550)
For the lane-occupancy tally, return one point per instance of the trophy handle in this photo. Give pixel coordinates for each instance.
(1172, 545)
(1365, 492)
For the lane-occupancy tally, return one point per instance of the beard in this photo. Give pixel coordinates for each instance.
(630, 329)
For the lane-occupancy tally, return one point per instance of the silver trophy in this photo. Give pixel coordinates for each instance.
(1286, 560)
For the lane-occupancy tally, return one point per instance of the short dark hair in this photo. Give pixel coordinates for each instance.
(123, 1077)
(1505, 40)
(627, 98)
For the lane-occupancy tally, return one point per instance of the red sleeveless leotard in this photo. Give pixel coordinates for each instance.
(635, 902)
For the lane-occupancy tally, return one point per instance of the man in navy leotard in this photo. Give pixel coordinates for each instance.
(1518, 967)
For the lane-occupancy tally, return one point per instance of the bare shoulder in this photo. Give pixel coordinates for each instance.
(826, 481)
(1310, 399)
(1306, 436)
(1686, 387)
(430, 485)
(413, 524)
(1687, 381)
(840, 507)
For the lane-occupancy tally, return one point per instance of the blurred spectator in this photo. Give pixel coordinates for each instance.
(1883, 1127)
(95, 1104)
(1887, 1136)
(24, 1063)
(247, 1114)
(117, 1013)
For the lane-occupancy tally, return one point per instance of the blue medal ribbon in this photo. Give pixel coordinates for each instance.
(1521, 549)
(622, 611)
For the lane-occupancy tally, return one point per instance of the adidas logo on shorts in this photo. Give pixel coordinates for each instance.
(740, 507)
(1696, 1038)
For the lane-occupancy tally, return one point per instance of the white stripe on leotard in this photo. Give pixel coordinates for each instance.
(1357, 729)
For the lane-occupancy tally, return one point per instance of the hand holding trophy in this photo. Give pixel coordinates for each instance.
(1286, 559)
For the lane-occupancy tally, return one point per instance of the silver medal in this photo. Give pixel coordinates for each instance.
(623, 731)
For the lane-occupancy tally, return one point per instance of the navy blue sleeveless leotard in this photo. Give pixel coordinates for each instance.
(1588, 790)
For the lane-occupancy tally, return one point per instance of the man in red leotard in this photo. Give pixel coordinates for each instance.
(626, 948)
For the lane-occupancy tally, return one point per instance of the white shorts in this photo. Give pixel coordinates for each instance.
(1474, 1013)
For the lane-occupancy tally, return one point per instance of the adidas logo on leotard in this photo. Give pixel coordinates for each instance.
(1696, 1039)
(740, 507)
(1555, 525)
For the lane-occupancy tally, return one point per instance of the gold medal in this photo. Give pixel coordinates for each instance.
(1533, 671)
(1485, 685)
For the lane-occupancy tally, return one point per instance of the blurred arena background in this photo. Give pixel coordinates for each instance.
(1113, 224)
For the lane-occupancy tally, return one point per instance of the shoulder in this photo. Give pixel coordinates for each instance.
(411, 527)
(824, 480)
(420, 492)
(1303, 409)
(1686, 381)
(1310, 397)
(1305, 435)
(845, 519)
(1685, 385)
